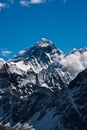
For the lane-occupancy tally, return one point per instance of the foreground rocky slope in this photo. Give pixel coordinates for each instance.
(37, 93)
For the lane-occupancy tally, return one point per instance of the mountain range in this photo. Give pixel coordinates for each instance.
(41, 88)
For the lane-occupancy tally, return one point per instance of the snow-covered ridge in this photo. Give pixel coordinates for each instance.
(44, 53)
(45, 109)
(81, 50)
(36, 91)
(44, 42)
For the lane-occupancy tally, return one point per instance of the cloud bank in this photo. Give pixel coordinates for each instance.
(75, 62)
(28, 2)
(24, 3)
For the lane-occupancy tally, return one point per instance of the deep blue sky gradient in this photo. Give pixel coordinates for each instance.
(64, 24)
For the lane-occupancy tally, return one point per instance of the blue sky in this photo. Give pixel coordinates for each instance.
(23, 22)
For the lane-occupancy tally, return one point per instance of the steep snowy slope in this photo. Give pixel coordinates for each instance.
(26, 92)
(2, 62)
(63, 109)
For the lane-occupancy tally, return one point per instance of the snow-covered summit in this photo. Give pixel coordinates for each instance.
(37, 57)
(44, 53)
(44, 42)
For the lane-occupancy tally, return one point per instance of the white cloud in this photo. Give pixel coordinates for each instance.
(2, 5)
(6, 52)
(74, 62)
(37, 1)
(26, 3)
(23, 3)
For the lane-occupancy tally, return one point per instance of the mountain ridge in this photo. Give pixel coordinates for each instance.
(42, 93)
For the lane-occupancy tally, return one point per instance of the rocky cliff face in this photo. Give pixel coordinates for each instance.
(37, 94)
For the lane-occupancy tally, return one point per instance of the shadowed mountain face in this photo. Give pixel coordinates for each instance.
(37, 93)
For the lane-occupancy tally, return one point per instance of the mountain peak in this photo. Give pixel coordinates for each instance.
(44, 39)
(81, 50)
(37, 57)
(44, 42)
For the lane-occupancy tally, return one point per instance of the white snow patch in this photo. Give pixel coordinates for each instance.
(44, 44)
(49, 56)
(22, 52)
(21, 65)
(2, 62)
(14, 69)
